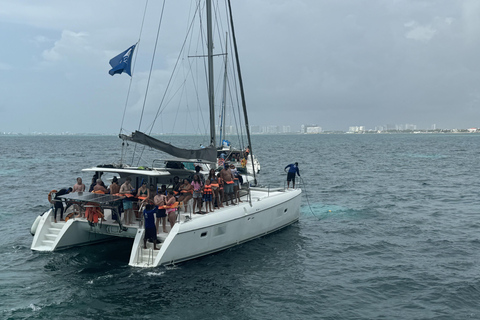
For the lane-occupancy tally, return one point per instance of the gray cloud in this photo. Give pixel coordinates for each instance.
(333, 63)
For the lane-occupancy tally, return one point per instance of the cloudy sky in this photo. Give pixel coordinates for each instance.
(335, 63)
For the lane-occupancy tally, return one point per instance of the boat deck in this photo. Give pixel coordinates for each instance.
(256, 194)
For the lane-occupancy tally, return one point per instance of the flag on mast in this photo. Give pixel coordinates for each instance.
(122, 62)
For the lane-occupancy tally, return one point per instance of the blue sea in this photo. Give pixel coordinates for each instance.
(390, 229)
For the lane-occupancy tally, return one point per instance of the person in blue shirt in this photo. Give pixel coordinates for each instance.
(293, 169)
(150, 229)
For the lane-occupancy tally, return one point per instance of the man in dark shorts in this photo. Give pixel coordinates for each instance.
(58, 203)
(227, 178)
(150, 229)
(293, 169)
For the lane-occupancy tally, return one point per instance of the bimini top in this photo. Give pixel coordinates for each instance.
(130, 170)
(92, 197)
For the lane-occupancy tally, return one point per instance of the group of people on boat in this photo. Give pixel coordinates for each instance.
(238, 156)
(212, 191)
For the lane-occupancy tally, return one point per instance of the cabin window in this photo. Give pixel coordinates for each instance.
(220, 230)
(203, 234)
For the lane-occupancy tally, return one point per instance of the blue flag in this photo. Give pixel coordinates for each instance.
(122, 62)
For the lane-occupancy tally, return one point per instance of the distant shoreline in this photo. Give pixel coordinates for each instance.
(437, 131)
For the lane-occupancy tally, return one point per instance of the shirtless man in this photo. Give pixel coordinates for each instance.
(79, 186)
(100, 186)
(227, 178)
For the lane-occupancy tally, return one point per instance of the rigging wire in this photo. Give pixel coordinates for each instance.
(151, 65)
(131, 78)
(159, 110)
(148, 81)
(308, 201)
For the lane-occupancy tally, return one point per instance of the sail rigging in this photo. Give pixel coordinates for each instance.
(186, 96)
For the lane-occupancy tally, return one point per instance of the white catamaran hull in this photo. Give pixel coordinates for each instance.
(269, 211)
(51, 236)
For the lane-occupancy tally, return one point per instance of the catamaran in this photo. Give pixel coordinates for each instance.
(263, 210)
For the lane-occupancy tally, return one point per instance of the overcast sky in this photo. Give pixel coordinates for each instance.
(334, 63)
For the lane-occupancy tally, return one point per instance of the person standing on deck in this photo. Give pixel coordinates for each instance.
(58, 203)
(293, 169)
(79, 186)
(172, 217)
(227, 179)
(114, 187)
(161, 214)
(127, 189)
(150, 229)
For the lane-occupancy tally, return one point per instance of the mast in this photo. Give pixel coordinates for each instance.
(224, 101)
(244, 104)
(210, 72)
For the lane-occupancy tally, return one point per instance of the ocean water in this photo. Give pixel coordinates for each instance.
(389, 230)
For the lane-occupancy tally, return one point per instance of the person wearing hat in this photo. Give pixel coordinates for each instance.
(293, 169)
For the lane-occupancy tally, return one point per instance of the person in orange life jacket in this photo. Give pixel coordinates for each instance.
(227, 178)
(143, 191)
(293, 169)
(172, 217)
(207, 196)
(185, 193)
(161, 214)
(215, 188)
(100, 186)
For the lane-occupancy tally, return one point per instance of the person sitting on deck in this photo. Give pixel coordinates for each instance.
(58, 203)
(176, 185)
(161, 214)
(150, 229)
(79, 186)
